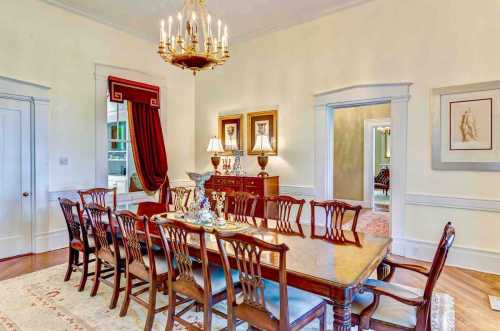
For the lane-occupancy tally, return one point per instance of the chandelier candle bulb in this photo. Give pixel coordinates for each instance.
(169, 27)
(209, 23)
(219, 26)
(162, 31)
(179, 17)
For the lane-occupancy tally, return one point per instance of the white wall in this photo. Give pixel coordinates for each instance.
(47, 45)
(431, 43)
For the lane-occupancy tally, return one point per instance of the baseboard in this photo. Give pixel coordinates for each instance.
(464, 257)
(51, 240)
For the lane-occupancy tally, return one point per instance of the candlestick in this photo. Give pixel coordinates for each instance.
(209, 25)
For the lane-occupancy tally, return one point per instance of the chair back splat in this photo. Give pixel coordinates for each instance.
(242, 207)
(248, 252)
(98, 196)
(334, 212)
(280, 209)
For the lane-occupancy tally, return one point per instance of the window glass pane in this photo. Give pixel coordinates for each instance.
(121, 168)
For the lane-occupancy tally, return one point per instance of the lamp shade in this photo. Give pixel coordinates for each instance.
(262, 144)
(215, 146)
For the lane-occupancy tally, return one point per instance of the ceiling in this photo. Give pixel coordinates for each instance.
(245, 18)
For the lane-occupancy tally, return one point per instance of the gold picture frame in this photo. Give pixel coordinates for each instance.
(269, 116)
(231, 123)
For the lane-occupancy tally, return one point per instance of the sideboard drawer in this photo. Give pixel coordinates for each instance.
(260, 187)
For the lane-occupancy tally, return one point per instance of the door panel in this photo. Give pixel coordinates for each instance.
(15, 178)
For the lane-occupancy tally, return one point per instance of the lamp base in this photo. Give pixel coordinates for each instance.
(215, 163)
(262, 160)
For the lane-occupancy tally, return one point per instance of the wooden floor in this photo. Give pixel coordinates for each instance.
(469, 288)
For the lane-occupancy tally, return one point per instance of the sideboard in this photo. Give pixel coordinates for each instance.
(259, 186)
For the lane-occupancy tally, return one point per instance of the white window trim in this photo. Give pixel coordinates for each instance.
(102, 72)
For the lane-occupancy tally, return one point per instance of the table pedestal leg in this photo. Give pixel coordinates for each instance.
(342, 316)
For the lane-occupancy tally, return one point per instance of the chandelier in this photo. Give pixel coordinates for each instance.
(193, 46)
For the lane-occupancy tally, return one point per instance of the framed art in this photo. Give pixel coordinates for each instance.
(464, 126)
(262, 123)
(230, 132)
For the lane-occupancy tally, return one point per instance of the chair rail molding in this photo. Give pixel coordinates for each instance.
(456, 202)
(325, 103)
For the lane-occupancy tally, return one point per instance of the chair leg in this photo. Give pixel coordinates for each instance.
(97, 277)
(70, 264)
(128, 290)
(322, 320)
(207, 317)
(116, 286)
(171, 309)
(85, 272)
(151, 307)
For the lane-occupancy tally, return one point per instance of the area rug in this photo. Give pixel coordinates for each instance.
(43, 301)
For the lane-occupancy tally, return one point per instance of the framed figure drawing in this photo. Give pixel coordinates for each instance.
(262, 123)
(230, 132)
(465, 121)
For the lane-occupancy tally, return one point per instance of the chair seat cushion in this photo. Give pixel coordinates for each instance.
(217, 277)
(161, 263)
(299, 302)
(389, 310)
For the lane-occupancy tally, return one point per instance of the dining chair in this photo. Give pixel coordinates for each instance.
(109, 252)
(179, 196)
(79, 241)
(241, 206)
(149, 269)
(285, 211)
(98, 196)
(262, 303)
(200, 283)
(335, 213)
(387, 306)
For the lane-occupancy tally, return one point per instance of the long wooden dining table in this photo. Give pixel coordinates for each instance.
(333, 268)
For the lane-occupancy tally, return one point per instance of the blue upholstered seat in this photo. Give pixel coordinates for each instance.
(217, 277)
(299, 302)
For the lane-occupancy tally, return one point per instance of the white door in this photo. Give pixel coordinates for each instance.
(15, 178)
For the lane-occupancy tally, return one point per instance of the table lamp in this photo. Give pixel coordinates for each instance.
(262, 145)
(215, 146)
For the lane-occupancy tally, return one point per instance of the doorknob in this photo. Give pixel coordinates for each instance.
(26, 194)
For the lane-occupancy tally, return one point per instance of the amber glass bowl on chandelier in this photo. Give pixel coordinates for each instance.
(196, 44)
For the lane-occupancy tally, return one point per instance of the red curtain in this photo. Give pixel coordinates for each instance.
(148, 147)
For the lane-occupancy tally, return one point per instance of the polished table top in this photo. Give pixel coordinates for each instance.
(342, 263)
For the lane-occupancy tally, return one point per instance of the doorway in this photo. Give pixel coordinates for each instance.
(359, 167)
(398, 95)
(15, 177)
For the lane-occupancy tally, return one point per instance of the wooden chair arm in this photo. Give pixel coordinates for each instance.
(412, 267)
(386, 291)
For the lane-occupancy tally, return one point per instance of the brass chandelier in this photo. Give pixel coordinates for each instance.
(194, 45)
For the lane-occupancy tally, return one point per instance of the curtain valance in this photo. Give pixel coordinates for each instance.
(121, 89)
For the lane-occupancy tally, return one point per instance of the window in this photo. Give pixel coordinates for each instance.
(121, 167)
